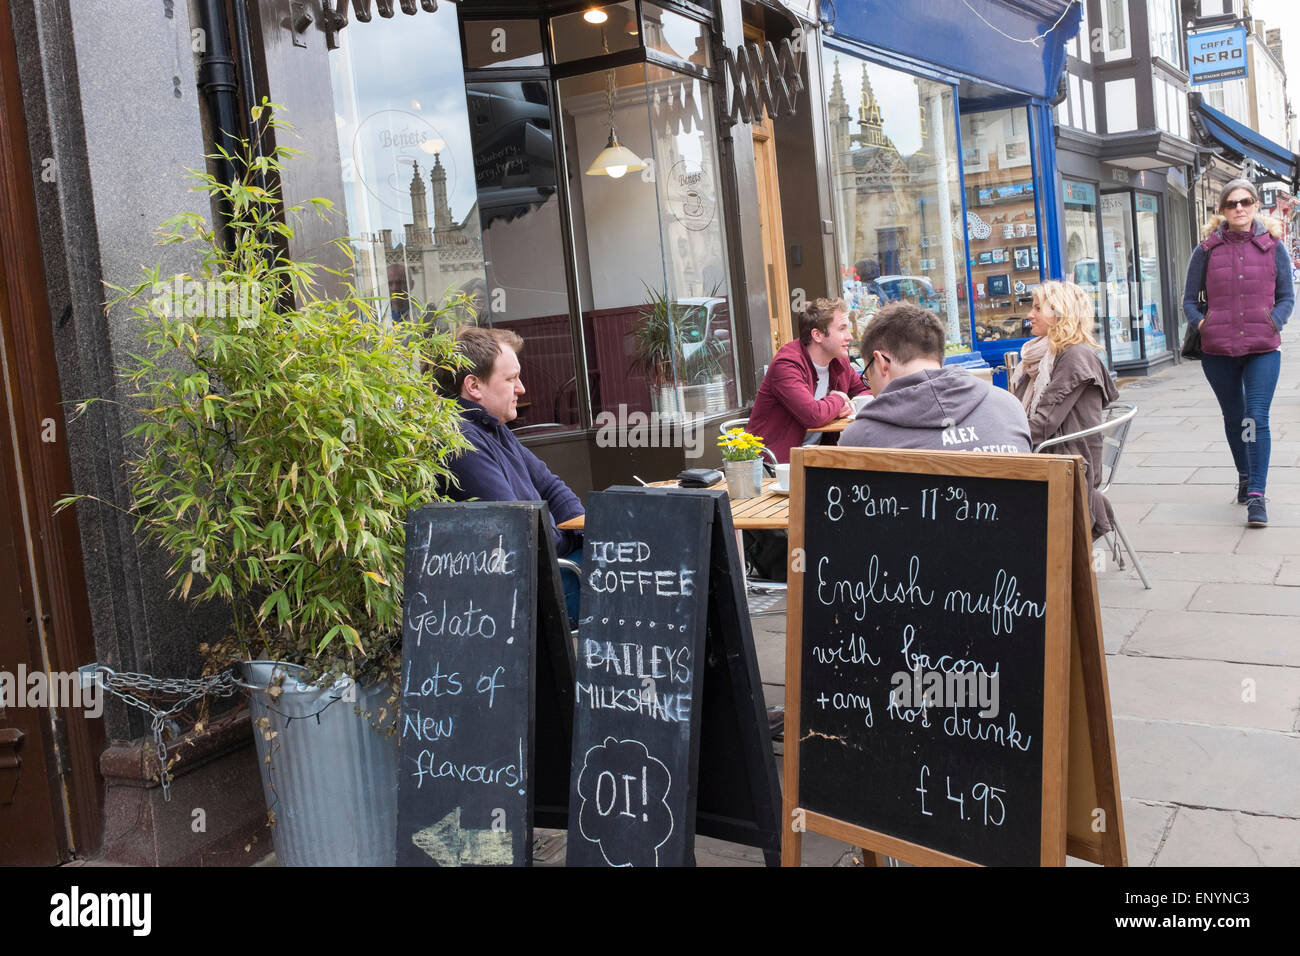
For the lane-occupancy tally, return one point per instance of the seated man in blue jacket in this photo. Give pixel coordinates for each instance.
(499, 468)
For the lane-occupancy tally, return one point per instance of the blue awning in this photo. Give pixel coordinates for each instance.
(1272, 158)
(1018, 44)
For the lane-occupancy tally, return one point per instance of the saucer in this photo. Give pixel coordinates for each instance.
(784, 493)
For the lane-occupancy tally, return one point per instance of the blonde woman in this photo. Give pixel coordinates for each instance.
(1062, 383)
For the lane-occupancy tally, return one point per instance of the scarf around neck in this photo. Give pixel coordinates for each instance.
(1036, 361)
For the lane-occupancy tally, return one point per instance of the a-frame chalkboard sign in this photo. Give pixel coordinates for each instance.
(486, 686)
(670, 735)
(936, 611)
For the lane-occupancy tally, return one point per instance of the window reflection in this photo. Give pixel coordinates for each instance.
(519, 212)
(895, 183)
(650, 244)
(406, 160)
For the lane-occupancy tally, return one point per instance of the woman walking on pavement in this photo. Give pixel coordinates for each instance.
(1244, 274)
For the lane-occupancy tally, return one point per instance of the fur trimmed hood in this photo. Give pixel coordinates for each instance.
(1274, 226)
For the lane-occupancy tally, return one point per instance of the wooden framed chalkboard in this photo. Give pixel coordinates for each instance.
(486, 685)
(927, 662)
(669, 702)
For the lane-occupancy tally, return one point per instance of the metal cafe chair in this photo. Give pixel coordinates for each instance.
(571, 567)
(1114, 431)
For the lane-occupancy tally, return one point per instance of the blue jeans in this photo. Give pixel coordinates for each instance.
(572, 584)
(1244, 386)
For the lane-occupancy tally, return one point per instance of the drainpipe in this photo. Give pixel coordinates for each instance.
(217, 81)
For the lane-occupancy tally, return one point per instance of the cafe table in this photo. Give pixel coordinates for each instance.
(770, 511)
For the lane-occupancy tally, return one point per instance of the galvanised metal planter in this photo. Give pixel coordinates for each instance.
(331, 780)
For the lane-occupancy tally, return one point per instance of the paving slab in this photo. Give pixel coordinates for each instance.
(1129, 475)
(1205, 692)
(1289, 574)
(1206, 539)
(1217, 767)
(1118, 624)
(1268, 541)
(1144, 828)
(1174, 494)
(1221, 838)
(1124, 589)
(1171, 459)
(1247, 599)
(1246, 638)
(1167, 439)
(1229, 568)
(1226, 475)
(1228, 513)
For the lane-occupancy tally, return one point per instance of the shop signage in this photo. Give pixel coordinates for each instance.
(669, 734)
(762, 81)
(1080, 193)
(944, 683)
(1146, 203)
(1216, 55)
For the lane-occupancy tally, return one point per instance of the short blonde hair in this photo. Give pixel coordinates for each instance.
(1072, 307)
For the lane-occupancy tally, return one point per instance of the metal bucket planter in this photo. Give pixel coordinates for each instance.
(332, 777)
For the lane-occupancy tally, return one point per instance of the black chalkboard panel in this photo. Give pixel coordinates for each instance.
(639, 676)
(910, 578)
(468, 686)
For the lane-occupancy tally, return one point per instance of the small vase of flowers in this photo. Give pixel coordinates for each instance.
(742, 463)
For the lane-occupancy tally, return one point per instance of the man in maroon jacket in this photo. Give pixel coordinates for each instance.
(810, 382)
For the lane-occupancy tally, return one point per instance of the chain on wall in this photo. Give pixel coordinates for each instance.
(762, 80)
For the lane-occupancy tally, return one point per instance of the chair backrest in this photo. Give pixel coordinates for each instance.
(731, 423)
(1114, 431)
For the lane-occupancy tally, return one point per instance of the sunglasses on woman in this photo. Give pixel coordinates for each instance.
(1239, 203)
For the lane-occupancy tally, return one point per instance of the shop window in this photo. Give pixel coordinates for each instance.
(1119, 260)
(1001, 221)
(649, 241)
(895, 185)
(675, 35)
(595, 30)
(1150, 272)
(502, 43)
(519, 215)
(1083, 264)
(407, 162)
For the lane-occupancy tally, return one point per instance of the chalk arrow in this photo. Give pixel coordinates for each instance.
(448, 845)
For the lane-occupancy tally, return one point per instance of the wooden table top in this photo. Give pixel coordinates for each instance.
(834, 427)
(770, 511)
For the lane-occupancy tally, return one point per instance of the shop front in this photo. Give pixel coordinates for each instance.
(943, 162)
(564, 168)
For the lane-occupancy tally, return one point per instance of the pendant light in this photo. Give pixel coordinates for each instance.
(615, 159)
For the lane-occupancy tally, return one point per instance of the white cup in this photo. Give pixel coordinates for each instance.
(860, 402)
(783, 477)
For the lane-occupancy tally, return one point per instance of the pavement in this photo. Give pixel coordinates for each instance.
(1204, 668)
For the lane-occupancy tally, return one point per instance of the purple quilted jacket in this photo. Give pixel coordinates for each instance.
(1248, 296)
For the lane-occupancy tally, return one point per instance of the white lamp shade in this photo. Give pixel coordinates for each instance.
(615, 160)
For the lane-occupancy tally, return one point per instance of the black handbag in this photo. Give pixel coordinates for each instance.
(1192, 340)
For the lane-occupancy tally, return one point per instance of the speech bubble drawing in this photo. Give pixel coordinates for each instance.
(624, 808)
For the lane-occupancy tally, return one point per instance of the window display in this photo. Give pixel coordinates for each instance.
(1001, 221)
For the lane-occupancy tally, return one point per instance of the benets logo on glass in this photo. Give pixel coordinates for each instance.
(77, 909)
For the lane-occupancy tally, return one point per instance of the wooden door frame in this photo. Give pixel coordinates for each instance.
(42, 469)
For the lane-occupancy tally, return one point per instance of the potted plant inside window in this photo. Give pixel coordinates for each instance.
(282, 438)
(681, 354)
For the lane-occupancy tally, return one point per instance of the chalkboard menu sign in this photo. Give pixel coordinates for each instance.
(927, 663)
(639, 669)
(470, 694)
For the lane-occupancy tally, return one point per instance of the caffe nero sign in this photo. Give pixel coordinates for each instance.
(1216, 55)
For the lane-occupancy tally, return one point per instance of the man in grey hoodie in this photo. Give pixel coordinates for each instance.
(920, 404)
